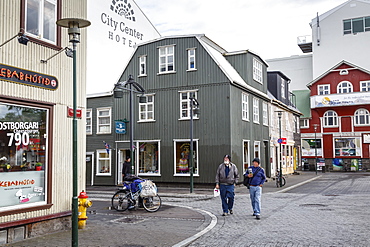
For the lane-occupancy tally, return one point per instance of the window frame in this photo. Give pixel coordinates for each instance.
(282, 86)
(257, 71)
(141, 145)
(339, 151)
(256, 113)
(190, 56)
(265, 114)
(245, 106)
(98, 159)
(187, 101)
(146, 111)
(246, 155)
(365, 85)
(340, 87)
(89, 117)
(257, 149)
(195, 157)
(306, 123)
(55, 45)
(326, 119)
(350, 30)
(142, 65)
(99, 117)
(365, 116)
(166, 56)
(321, 88)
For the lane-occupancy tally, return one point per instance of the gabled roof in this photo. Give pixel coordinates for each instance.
(334, 69)
(330, 12)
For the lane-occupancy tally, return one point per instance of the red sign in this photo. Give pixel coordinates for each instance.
(70, 112)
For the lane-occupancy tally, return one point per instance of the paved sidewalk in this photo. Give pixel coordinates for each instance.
(172, 224)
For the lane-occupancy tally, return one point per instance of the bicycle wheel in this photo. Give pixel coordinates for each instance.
(283, 181)
(120, 201)
(152, 203)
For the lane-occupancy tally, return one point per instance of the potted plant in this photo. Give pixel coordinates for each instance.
(38, 166)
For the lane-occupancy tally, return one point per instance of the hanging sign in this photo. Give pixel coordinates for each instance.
(27, 77)
(120, 127)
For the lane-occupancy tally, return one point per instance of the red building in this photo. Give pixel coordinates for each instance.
(338, 132)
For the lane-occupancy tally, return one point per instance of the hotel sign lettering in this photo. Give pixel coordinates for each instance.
(27, 77)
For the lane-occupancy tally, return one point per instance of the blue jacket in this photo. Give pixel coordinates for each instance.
(258, 178)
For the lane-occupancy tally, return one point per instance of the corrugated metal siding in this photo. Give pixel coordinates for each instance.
(28, 57)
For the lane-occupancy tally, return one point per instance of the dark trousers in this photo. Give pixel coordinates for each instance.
(227, 197)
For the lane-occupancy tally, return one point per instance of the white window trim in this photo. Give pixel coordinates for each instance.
(174, 159)
(146, 109)
(98, 173)
(257, 71)
(159, 158)
(306, 122)
(367, 113)
(97, 120)
(339, 87)
(246, 105)
(188, 103)
(265, 114)
(323, 90)
(256, 113)
(365, 87)
(89, 111)
(283, 88)
(258, 143)
(246, 159)
(330, 126)
(142, 61)
(166, 63)
(189, 57)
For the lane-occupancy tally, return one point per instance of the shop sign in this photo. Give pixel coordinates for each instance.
(70, 112)
(120, 127)
(27, 77)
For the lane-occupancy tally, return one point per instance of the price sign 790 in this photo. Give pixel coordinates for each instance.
(18, 138)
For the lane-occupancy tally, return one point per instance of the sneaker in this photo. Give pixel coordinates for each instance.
(258, 217)
(224, 214)
(231, 211)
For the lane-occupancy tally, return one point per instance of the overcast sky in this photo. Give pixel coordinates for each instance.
(268, 27)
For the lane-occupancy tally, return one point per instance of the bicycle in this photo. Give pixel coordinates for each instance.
(277, 179)
(125, 198)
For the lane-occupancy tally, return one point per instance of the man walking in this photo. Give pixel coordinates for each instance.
(226, 177)
(257, 178)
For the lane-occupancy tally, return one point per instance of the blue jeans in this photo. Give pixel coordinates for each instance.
(227, 197)
(255, 193)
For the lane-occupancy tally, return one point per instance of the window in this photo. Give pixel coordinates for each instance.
(166, 59)
(304, 123)
(146, 110)
(356, 25)
(330, 119)
(103, 120)
(265, 114)
(296, 124)
(287, 121)
(347, 146)
(148, 158)
(362, 117)
(246, 155)
(344, 87)
(257, 71)
(182, 151)
(256, 111)
(40, 19)
(103, 162)
(24, 152)
(311, 147)
(185, 104)
(88, 122)
(191, 59)
(323, 89)
(245, 106)
(365, 86)
(282, 88)
(142, 65)
(256, 149)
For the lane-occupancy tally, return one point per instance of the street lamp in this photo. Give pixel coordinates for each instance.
(280, 113)
(74, 25)
(134, 87)
(315, 128)
(196, 111)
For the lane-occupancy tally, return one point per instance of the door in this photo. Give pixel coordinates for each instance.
(122, 154)
(89, 169)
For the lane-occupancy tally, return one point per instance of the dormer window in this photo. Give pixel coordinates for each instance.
(344, 87)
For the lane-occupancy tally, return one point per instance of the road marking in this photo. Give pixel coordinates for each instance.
(297, 185)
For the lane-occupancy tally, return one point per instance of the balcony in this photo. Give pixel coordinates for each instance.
(305, 43)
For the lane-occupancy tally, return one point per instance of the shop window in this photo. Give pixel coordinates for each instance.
(256, 110)
(185, 104)
(256, 149)
(362, 117)
(148, 158)
(103, 162)
(40, 19)
(330, 119)
(191, 59)
(344, 87)
(347, 146)
(323, 89)
(166, 59)
(24, 155)
(245, 106)
(142, 66)
(146, 110)
(257, 71)
(311, 147)
(103, 120)
(88, 122)
(246, 155)
(182, 151)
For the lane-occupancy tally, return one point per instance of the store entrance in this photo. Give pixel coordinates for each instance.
(122, 154)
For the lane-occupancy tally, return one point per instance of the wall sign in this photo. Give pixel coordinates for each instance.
(27, 77)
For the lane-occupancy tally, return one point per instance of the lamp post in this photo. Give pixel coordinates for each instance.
(193, 102)
(315, 128)
(134, 87)
(74, 25)
(280, 113)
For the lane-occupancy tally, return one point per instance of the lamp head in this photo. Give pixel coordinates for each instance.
(22, 39)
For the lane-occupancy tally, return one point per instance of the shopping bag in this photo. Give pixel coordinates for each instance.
(216, 192)
(148, 189)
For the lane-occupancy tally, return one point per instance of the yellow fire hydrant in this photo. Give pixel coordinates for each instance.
(83, 204)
